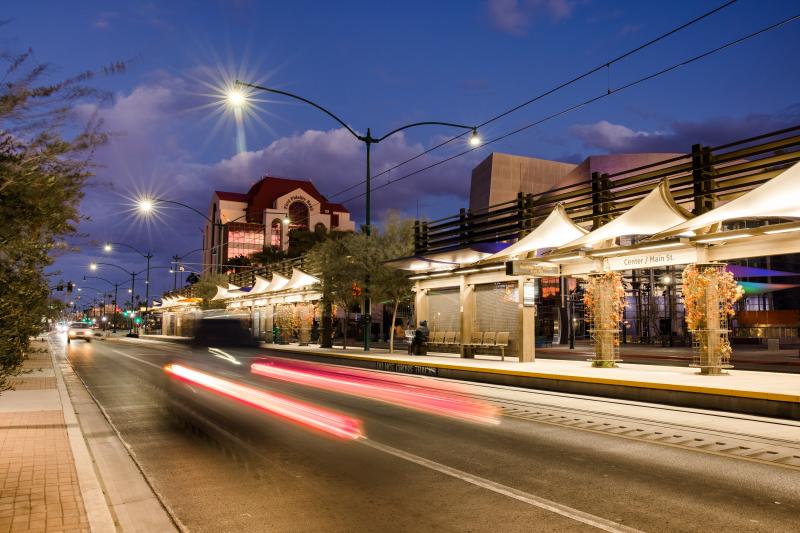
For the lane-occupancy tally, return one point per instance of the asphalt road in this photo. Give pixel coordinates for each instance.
(419, 472)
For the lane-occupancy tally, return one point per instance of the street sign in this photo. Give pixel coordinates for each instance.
(529, 267)
(653, 259)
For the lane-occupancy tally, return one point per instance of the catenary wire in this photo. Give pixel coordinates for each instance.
(606, 65)
(588, 101)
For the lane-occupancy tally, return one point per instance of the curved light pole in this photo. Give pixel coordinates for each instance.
(116, 301)
(132, 274)
(148, 256)
(238, 99)
(146, 206)
(176, 259)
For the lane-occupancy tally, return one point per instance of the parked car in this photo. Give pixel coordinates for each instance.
(79, 330)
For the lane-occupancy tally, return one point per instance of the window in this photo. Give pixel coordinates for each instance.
(275, 233)
(244, 239)
(298, 216)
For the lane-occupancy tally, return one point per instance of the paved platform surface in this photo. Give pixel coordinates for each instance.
(740, 383)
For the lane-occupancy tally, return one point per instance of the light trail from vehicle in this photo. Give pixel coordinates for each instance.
(397, 390)
(304, 414)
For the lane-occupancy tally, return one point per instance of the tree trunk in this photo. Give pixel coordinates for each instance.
(344, 329)
(327, 325)
(392, 326)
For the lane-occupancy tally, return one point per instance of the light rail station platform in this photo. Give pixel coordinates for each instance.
(744, 391)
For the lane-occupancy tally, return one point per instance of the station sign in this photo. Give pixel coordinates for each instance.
(528, 294)
(653, 259)
(532, 268)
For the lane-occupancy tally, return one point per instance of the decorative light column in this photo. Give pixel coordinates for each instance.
(709, 292)
(604, 299)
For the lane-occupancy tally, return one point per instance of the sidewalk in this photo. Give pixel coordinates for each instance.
(52, 477)
(761, 393)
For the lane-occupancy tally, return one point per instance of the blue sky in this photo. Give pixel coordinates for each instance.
(381, 65)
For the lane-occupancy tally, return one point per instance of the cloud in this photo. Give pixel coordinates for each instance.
(334, 161)
(515, 16)
(103, 20)
(679, 136)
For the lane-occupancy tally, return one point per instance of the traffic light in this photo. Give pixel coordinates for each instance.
(60, 287)
(137, 320)
(126, 313)
(70, 286)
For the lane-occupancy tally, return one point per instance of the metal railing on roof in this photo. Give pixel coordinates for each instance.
(699, 179)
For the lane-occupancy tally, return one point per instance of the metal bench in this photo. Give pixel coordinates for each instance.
(436, 339)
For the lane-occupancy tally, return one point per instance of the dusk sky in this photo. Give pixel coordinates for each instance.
(382, 65)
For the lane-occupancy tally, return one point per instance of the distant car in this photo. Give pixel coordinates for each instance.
(222, 332)
(79, 330)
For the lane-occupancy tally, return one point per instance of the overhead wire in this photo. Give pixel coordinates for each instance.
(588, 101)
(604, 65)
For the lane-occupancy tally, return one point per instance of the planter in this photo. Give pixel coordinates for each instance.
(709, 292)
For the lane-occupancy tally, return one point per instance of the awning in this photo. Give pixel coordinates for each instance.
(556, 230)
(278, 282)
(222, 293)
(654, 213)
(440, 260)
(260, 285)
(751, 288)
(776, 198)
(300, 279)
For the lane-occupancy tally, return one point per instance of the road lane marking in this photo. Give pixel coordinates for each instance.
(123, 354)
(530, 499)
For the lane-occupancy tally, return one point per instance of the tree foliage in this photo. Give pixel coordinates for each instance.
(42, 173)
(346, 262)
(206, 289)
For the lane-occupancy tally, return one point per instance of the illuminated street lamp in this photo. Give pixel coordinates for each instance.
(238, 99)
(109, 246)
(116, 300)
(132, 274)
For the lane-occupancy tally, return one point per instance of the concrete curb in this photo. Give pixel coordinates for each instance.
(94, 501)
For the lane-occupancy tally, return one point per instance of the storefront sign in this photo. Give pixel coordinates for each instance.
(532, 268)
(298, 198)
(652, 260)
(528, 294)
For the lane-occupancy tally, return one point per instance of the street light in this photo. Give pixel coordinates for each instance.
(666, 280)
(148, 256)
(132, 274)
(368, 140)
(116, 300)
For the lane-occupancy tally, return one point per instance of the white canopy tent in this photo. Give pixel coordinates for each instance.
(222, 293)
(776, 198)
(300, 279)
(654, 213)
(277, 283)
(556, 230)
(260, 285)
(439, 260)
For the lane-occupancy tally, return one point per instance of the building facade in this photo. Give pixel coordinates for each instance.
(264, 216)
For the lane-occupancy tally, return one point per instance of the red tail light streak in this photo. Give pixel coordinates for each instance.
(397, 390)
(307, 415)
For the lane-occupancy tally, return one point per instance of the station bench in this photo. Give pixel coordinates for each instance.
(487, 340)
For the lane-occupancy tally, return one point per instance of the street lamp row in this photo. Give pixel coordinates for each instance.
(237, 98)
